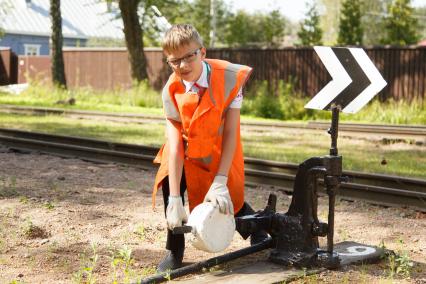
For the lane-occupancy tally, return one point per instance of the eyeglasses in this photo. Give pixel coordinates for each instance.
(190, 57)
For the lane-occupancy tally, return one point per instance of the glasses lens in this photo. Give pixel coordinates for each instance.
(187, 59)
(175, 62)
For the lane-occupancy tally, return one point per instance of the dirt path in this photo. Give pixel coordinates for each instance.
(67, 221)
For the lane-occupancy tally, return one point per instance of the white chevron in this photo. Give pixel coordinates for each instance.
(376, 79)
(340, 79)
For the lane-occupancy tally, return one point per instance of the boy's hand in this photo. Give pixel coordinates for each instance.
(219, 194)
(175, 213)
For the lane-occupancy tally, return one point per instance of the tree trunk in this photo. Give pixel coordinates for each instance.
(134, 38)
(58, 70)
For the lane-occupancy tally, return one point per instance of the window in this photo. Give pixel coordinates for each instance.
(32, 49)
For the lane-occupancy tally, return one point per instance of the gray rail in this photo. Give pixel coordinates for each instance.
(374, 188)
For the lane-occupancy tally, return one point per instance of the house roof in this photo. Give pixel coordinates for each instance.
(80, 18)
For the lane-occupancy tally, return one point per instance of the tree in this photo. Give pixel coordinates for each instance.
(58, 70)
(421, 15)
(373, 14)
(133, 34)
(273, 26)
(310, 32)
(350, 29)
(401, 27)
(330, 14)
(153, 27)
(255, 30)
(197, 13)
(239, 29)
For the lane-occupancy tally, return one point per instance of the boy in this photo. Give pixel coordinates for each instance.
(203, 153)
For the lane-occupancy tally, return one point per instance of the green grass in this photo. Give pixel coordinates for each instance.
(140, 99)
(286, 104)
(359, 154)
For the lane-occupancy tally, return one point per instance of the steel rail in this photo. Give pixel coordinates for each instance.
(408, 130)
(374, 188)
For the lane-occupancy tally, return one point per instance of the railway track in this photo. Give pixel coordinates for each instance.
(394, 130)
(374, 188)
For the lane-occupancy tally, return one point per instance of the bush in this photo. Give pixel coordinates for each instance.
(279, 102)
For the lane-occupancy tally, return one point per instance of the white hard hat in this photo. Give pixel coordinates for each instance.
(212, 231)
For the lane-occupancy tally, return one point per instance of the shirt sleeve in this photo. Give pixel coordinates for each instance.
(238, 100)
(169, 107)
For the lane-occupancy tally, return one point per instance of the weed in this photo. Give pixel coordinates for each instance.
(399, 263)
(122, 262)
(87, 265)
(49, 205)
(23, 199)
(14, 281)
(32, 231)
(344, 235)
(141, 232)
(150, 270)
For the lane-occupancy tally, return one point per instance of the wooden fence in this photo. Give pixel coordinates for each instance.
(403, 68)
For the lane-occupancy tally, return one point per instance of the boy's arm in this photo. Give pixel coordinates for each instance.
(176, 156)
(229, 140)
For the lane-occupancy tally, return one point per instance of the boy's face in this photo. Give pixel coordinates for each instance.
(187, 60)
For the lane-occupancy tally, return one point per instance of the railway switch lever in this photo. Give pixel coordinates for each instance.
(295, 233)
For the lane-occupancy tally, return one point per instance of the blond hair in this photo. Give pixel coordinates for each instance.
(180, 35)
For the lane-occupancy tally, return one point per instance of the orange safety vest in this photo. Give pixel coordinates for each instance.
(202, 128)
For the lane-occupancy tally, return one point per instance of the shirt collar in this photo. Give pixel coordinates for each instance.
(202, 81)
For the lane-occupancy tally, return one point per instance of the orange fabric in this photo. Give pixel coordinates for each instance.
(201, 123)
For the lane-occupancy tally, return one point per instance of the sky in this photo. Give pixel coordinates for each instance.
(293, 9)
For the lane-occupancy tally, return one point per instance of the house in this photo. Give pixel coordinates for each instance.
(26, 24)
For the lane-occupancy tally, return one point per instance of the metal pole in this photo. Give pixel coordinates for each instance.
(330, 234)
(192, 268)
(334, 129)
(332, 181)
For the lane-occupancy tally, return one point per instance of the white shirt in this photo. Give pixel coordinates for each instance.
(203, 82)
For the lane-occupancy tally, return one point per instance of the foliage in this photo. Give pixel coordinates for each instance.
(310, 32)
(257, 29)
(85, 273)
(401, 27)
(122, 261)
(350, 29)
(264, 104)
(197, 13)
(329, 11)
(420, 13)
(272, 28)
(154, 24)
(279, 101)
(373, 13)
(399, 263)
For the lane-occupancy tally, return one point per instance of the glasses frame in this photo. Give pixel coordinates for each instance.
(188, 58)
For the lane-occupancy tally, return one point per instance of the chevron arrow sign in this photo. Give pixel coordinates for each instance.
(355, 79)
